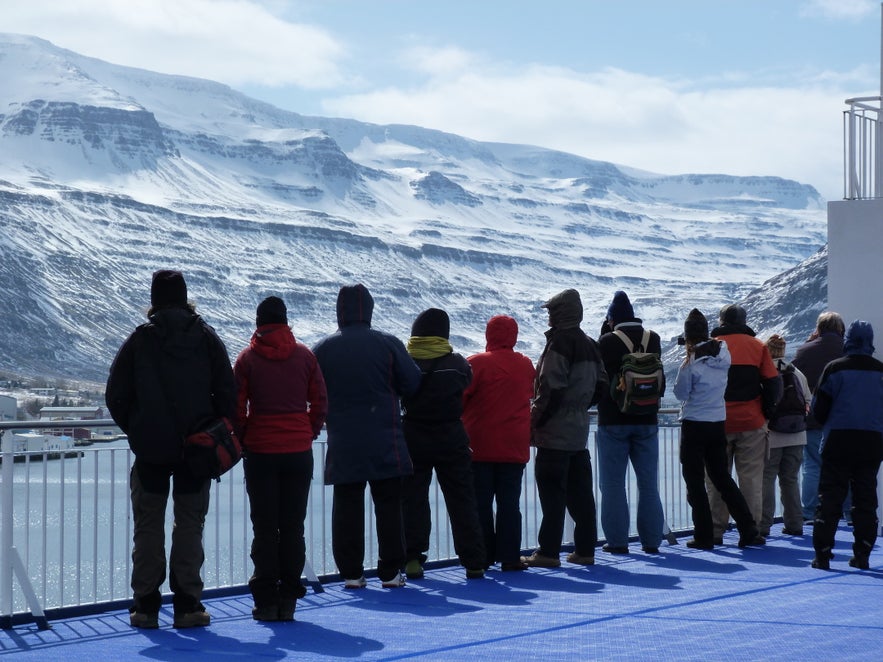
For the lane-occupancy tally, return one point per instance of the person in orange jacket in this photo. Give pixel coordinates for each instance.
(753, 389)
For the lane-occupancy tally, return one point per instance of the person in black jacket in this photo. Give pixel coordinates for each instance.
(437, 440)
(366, 372)
(170, 377)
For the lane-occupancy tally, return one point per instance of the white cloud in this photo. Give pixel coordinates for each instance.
(656, 124)
(232, 41)
(840, 9)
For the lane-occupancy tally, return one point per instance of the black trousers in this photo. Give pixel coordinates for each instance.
(704, 451)
(850, 459)
(453, 469)
(564, 483)
(348, 527)
(278, 487)
(500, 482)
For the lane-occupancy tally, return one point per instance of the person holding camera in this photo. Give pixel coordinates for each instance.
(700, 385)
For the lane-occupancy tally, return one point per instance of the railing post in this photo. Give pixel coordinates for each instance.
(6, 541)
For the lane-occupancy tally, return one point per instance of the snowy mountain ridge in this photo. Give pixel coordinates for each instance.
(108, 173)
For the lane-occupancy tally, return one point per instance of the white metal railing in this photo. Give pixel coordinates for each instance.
(67, 526)
(863, 149)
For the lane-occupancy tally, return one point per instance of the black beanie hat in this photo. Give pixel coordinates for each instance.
(168, 289)
(733, 314)
(695, 326)
(620, 309)
(271, 311)
(432, 322)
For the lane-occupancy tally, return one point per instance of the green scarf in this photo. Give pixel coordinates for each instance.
(428, 347)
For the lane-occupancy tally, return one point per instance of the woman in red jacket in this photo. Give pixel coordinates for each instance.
(496, 414)
(281, 409)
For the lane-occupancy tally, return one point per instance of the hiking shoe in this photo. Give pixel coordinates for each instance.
(513, 566)
(474, 573)
(286, 609)
(265, 613)
(395, 582)
(579, 559)
(699, 544)
(616, 549)
(537, 560)
(718, 541)
(650, 550)
(820, 563)
(860, 562)
(360, 582)
(413, 569)
(141, 619)
(192, 619)
(751, 539)
(792, 532)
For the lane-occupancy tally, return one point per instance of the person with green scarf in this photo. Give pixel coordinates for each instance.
(437, 441)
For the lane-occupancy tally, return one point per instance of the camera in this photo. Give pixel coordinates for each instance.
(682, 340)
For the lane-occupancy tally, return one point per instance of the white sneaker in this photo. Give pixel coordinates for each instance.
(361, 582)
(396, 582)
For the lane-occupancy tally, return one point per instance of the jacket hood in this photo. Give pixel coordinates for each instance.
(859, 338)
(354, 305)
(565, 309)
(501, 333)
(273, 341)
(177, 331)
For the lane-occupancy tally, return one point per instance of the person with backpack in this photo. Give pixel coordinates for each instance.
(628, 429)
(787, 439)
(168, 379)
(700, 385)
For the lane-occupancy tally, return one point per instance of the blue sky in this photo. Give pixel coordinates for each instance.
(747, 87)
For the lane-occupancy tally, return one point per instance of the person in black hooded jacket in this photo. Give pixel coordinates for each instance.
(366, 372)
(437, 440)
(169, 378)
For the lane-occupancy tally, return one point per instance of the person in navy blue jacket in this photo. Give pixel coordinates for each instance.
(366, 372)
(848, 402)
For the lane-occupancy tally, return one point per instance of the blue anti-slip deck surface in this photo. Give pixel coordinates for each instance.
(727, 604)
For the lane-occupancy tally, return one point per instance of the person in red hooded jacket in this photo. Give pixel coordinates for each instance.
(496, 414)
(281, 408)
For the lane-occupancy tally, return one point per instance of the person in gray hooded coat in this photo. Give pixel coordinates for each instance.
(570, 379)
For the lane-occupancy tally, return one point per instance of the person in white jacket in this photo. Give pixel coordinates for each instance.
(700, 385)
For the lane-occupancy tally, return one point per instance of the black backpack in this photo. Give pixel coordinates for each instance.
(790, 412)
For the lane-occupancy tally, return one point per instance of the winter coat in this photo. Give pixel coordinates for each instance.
(432, 413)
(812, 357)
(496, 405)
(753, 384)
(170, 378)
(282, 400)
(366, 371)
(612, 350)
(849, 395)
(701, 382)
(570, 379)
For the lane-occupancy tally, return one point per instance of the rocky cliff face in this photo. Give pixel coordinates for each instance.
(119, 172)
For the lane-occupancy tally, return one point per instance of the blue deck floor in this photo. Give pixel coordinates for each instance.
(727, 604)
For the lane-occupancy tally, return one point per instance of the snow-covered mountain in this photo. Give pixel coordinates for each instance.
(108, 173)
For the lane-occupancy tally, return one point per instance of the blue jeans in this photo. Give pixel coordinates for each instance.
(812, 466)
(617, 445)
